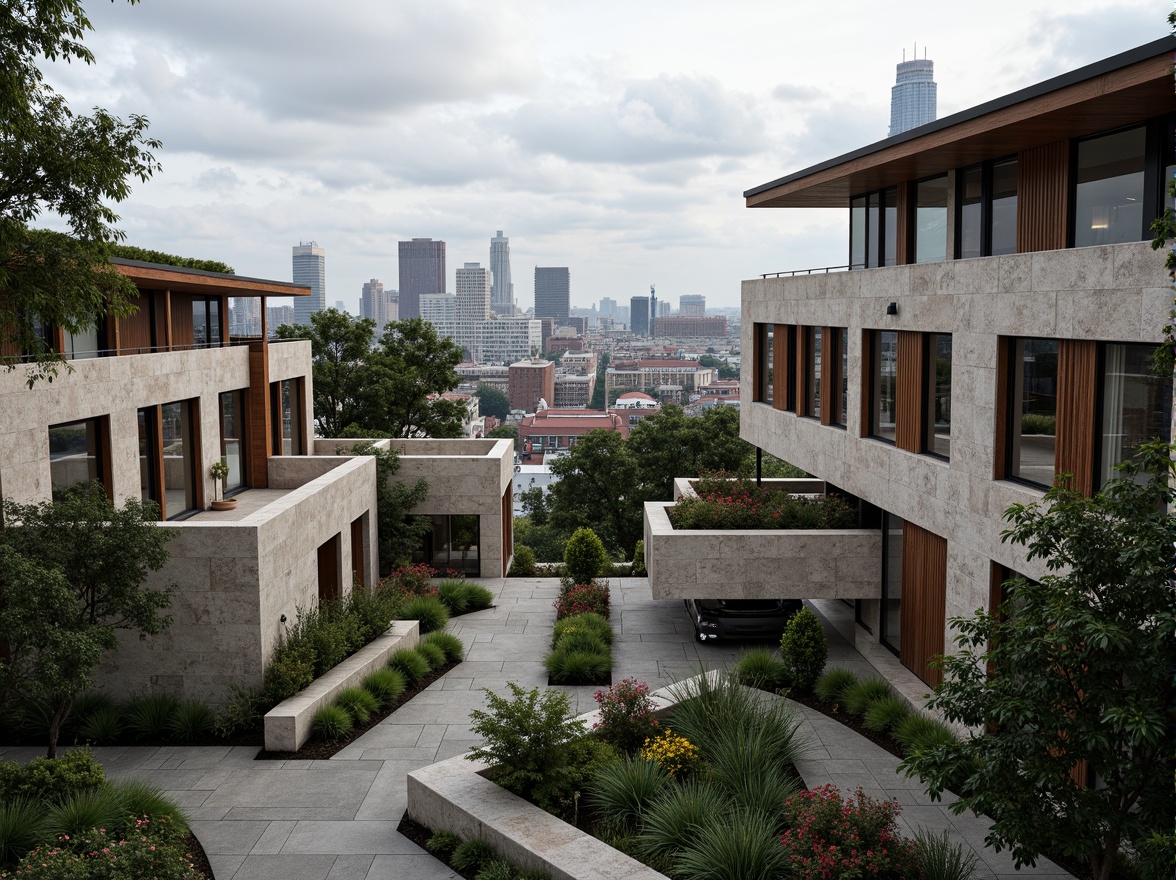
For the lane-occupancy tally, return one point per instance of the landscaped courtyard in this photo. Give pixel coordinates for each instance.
(336, 819)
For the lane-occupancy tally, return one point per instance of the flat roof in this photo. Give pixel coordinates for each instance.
(179, 278)
(1125, 88)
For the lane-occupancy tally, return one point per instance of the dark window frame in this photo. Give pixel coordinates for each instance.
(875, 242)
(986, 198)
(875, 376)
(930, 377)
(913, 214)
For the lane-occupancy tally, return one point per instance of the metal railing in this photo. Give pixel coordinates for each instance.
(824, 270)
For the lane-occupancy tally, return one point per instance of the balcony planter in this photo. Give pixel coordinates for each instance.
(219, 472)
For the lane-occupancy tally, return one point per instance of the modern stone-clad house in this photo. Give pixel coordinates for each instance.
(995, 328)
(150, 402)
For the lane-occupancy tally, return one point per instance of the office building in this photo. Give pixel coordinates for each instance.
(912, 97)
(472, 286)
(422, 271)
(998, 333)
(691, 305)
(276, 316)
(639, 315)
(553, 292)
(676, 326)
(501, 289)
(378, 304)
(310, 270)
(530, 381)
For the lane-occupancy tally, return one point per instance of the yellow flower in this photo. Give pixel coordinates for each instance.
(674, 753)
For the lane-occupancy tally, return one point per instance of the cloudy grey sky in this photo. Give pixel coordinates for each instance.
(612, 137)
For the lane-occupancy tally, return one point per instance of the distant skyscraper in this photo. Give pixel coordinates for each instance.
(422, 270)
(473, 293)
(553, 292)
(912, 98)
(692, 305)
(377, 304)
(639, 315)
(310, 269)
(501, 287)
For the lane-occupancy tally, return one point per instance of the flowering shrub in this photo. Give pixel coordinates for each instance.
(674, 753)
(411, 580)
(152, 848)
(725, 501)
(840, 840)
(581, 598)
(626, 715)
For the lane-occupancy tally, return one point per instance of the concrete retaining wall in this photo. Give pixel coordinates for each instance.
(288, 724)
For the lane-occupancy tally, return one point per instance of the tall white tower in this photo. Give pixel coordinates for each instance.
(912, 97)
(501, 287)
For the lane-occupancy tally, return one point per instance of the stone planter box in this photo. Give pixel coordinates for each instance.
(288, 724)
(760, 564)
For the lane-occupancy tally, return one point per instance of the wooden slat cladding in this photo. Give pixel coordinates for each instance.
(924, 601)
(780, 366)
(1043, 190)
(910, 389)
(1077, 380)
(134, 331)
(258, 431)
(830, 366)
(182, 326)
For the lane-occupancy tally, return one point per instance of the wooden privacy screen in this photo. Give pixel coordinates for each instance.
(909, 392)
(1043, 189)
(134, 331)
(924, 601)
(258, 427)
(1077, 380)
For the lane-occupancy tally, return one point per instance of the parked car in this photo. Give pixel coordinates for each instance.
(740, 618)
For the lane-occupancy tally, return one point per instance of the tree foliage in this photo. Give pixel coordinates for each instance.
(506, 432)
(596, 488)
(53, 161)
(672, 444)
(73, 573)
(1074, 671)
(130, 252)
(723, 370)
(492, 402)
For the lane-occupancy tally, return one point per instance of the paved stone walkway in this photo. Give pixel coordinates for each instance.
(336, 819)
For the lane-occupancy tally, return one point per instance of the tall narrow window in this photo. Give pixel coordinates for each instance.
(812, 371)
(857, 233)
(1136, 404)
(931, 220)
(206, 323)
(83, 344)
(873, 229)
(938, 397)
(149, 456)
(232, 425)
(1003, 208)
(841, 356)
(179, 458)
(971, 213)
(883, 384)
(286, 416)
(986, 213)
(765, 344)
(890, 226)
(1032, 416)
(1110, 188)
(890, 620)
(78, 453)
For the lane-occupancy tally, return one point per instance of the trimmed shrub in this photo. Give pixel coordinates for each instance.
(761, 668)
(1037, 423)
(639, 560)
(831, 686)
(50, 779)
(148, 717)
(859, 696)
(589, 620)
(671, 820)
(583, 598)
(23, 824)
(941, 859)
(191, 721)
(584, 556)
(622, 790)
(447, 642)
(434, 654)
(804, 649)
(471, 855)
(358, 703)
(578, 667)
(386, 685)
(332, 722)
(101, 725)
(626, 715)
(409, 663)
(428, 610)
(740, 845)
(154, 849)
(244, 712)
(885, 714)
(523, 563)
(920, 732)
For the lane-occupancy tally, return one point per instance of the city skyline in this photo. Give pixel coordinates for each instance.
(592, 145)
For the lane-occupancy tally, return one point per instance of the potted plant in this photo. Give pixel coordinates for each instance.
(220, 472)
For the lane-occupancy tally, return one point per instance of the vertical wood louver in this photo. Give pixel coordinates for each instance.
(924, 601)
(910, 391)
(1077, 381)
(1043, 191)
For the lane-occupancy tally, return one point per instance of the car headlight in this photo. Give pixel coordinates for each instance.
(707, 624)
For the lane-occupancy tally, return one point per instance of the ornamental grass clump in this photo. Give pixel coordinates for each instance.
(676, 755)
(386, 685)
(626, 715)
(727, 501)
(450, 644)
(621, 790)
(433, 653)
(358, 703)
(762, 668)
(579, 654)
(858, 837)
(919, 732)
(831, 686)
(332, 722)
(672, 819)
(885, 714)
(590, 621)
(860, 696)
(738, 845)
(409, 663)
(429, 611)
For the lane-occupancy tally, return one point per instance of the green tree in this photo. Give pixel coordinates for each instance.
(492, 402)
(73, 573)
(672, 444)
(723, 369)
(401, 532)
(340, 346)
(54, 161)
(596, 488)
(506, 432)
(409, 369)
(1076, 668)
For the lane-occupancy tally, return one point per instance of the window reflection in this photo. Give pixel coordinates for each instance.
(1033, 402)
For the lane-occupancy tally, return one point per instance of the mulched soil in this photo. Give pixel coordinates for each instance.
(199, 859)
(420, 835)
(317, 749)
(853, 722)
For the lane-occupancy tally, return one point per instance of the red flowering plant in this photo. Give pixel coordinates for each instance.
(833, 839)
(578, 598)
(410, 580)
(626, 715)
(733, 501)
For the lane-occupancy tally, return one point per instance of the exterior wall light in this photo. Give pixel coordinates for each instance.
(892, 309)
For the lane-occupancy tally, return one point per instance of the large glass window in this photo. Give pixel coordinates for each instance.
(883, 384)
(179, 458)
(452, 544)
(206, 323)
(938, 440)
(763, 379)
(1033, 402)
(232, 425)
(890, 620)
(987, 213)
(873, 229)
(842, 357)
(931, 220)
(82, 345)
(286, 417)
(812, 370)
(1110, 188)
(149, 457)
(1003, 208)
(77, 454)
(1136, 404)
